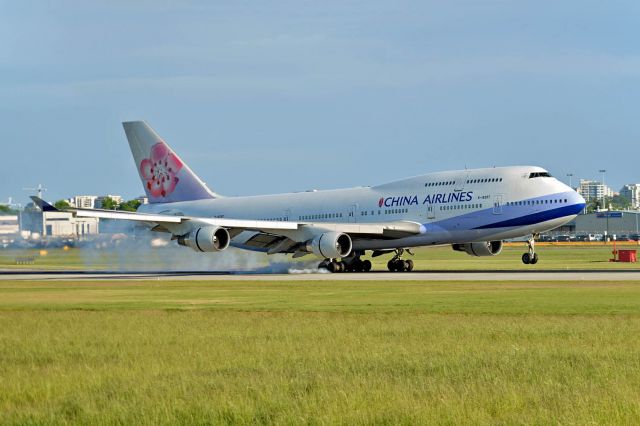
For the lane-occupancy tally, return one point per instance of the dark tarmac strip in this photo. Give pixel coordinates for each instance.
(435, 275)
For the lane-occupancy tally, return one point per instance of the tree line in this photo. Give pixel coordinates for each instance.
(107, 204)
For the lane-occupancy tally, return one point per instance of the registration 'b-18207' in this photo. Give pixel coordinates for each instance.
(473, 210)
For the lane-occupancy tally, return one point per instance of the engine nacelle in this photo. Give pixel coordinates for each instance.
(485, 248)
(330, 245)
(206, 239)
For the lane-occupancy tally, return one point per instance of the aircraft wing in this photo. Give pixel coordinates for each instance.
(272, 236)
(388, 229)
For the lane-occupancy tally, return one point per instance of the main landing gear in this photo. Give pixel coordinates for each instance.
(396, 264)
(531, 258)
(354, 263)
(348, 264)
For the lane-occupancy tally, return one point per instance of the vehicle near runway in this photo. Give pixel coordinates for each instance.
(472, 210)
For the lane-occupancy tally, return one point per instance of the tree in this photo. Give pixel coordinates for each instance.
(6, 210)
(109, 203)
(61, 205)
(616, 202)
(620, 203)
(129, 206)
(593, 205)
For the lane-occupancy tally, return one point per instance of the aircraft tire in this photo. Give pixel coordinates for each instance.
(534, 259)
(366, 265)
(391, 265)
(409, 265)
(526, 259)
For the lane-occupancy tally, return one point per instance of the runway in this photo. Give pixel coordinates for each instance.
(461, 275)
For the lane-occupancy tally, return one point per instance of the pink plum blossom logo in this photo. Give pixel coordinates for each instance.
(160, 170)
(380, 202)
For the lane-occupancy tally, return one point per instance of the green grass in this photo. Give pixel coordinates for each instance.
(595, 256)
(194, 352)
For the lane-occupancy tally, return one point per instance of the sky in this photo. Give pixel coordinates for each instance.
(279, 96)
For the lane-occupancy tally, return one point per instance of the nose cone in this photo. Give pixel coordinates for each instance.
(575, 202)
(574, 199)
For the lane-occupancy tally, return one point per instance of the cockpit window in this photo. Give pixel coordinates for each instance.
(539, 174)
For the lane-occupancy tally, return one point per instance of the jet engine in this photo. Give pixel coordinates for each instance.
(330, 245)
(485, 248)
(206, 239)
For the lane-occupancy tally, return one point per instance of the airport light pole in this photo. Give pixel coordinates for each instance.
(570, 175)
(603, 171)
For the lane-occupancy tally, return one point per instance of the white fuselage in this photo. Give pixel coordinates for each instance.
(451, 207)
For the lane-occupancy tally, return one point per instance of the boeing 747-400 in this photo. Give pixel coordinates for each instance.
(472, 210)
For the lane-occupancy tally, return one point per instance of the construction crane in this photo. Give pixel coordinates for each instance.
(40, 189)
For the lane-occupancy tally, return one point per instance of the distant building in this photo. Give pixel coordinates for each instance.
(9, 225)
(593, 190)
(59, 224)
(83, 201)
(143, 199)
(117, 198)
(614, 222)
(632, 193)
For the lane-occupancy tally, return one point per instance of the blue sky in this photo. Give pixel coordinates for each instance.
(262, 97)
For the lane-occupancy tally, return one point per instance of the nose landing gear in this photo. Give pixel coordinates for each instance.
(396, 264)
(531, 257)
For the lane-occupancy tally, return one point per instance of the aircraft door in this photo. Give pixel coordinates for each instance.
(353, 210)
(497, 204)
(287, 215)
(431, 213)
(461, 182)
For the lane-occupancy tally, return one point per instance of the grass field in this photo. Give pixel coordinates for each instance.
(161, 352)
(593, 256)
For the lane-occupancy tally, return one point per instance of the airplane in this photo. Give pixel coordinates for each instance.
(472, 210)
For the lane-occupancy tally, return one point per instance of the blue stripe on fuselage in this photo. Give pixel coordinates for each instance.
(538, 217)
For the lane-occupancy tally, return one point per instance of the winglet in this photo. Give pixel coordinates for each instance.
(43, 205)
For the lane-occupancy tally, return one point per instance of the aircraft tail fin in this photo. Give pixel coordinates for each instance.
(165, 177)
(43, 205)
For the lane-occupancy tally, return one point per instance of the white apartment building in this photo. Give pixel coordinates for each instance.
(593, 190)
(632, 193)
(83, 201)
